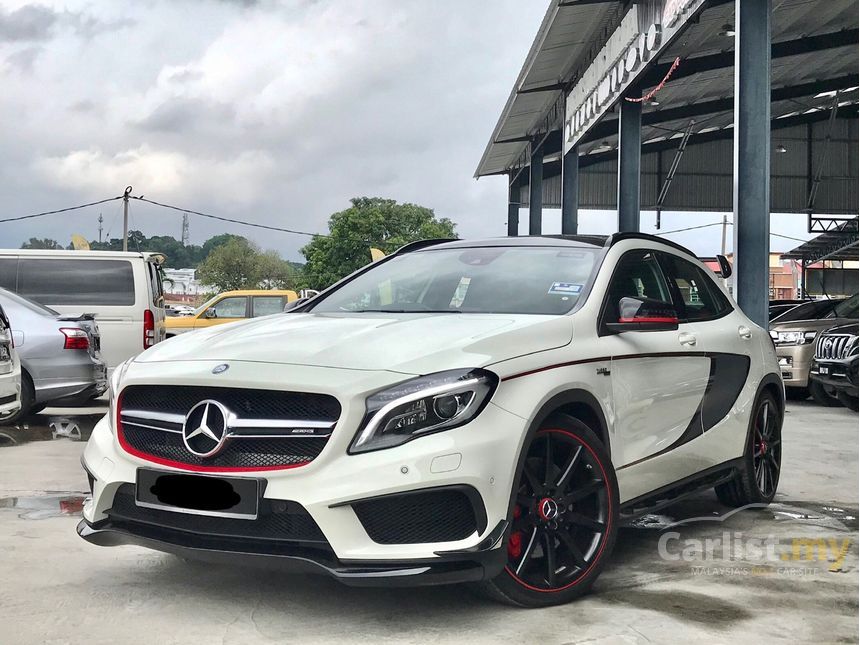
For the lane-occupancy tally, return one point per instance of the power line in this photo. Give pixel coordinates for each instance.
(693, 228)
(61, 210)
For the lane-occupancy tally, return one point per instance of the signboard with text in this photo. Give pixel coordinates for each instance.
(624, 57)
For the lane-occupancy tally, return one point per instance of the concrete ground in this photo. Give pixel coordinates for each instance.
(58, 589)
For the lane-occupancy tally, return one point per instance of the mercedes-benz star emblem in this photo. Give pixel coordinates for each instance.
(220, 369)
(548, 509)
(205, 428)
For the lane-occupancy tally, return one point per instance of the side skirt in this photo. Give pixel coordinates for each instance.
(667, 495)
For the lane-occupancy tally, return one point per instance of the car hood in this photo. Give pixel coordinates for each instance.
(407, 343)
(850, 329)
(809, 325)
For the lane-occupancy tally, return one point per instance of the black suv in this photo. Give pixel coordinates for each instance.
(835, 363)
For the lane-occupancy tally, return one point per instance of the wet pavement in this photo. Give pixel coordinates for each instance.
(694, 571)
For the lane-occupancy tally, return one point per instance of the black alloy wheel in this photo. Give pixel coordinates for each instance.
(564, 518)
(767, 448)
(757, 479)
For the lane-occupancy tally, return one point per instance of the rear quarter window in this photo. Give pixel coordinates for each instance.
(68, 281)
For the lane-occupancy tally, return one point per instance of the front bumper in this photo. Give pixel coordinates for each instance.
(840, 374)
(794, 364)
(481, 456)
(484, 561)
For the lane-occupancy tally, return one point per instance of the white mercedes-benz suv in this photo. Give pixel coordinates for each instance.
(459, 411)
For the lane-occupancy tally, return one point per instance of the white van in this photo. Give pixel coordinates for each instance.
(123, 290)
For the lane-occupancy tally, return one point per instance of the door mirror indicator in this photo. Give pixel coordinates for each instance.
(644, 314)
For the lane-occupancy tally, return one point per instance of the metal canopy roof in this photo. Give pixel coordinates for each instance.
(814, 53)
(839, 243)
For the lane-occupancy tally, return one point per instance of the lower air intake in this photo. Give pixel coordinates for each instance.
(433, 515)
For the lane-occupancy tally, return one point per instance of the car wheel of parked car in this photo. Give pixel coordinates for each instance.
(564, 518)
(797, 393)
(759, 476)
(821, 396)
(847, 400)
(28, 393)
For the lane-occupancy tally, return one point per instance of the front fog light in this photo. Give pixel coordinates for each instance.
(423, 405)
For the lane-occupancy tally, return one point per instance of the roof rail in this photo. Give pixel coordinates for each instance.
(633, 235)
(422, 244)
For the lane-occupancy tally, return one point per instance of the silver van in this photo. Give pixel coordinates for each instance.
(123, 291)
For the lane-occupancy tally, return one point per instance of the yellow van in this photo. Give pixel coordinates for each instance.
(231, 306)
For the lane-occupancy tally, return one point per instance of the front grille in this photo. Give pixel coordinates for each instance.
(437, 515)
(260, 404)
(292, 524)
(237, 453)
(151, 419)
(830, 347)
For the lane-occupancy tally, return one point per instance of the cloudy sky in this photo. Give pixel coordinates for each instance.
(271, 111)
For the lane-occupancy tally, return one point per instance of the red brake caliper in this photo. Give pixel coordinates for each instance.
(515, 542)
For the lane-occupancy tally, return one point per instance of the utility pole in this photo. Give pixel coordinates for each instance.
(725, 225)
(101, 219)
(185, 232)
(125, 218)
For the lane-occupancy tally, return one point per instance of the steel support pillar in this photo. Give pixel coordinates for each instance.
(752, 157)
(570, 192)
(536, 190)
(513, 207)
(629, 164)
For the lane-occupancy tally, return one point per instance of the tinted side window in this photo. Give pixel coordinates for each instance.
(266, 305)
(9, 273)
(67, 281)
(637, 275)
(700, 298)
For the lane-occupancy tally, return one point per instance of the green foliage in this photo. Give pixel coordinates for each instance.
(178, 256)
(239, 264)
(369, 222)
(41, 243)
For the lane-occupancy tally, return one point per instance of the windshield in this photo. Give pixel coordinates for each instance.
(518, 280)
(808, 311)
(847, 308)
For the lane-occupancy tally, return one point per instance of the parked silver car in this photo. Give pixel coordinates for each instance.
(59, 353)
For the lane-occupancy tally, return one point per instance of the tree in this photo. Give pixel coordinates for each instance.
(234, 265)
(369, 222)
(41, 243)
(239, 264)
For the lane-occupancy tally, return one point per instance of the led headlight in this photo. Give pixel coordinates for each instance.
(422, 406)
(113, 389)
(793, 337)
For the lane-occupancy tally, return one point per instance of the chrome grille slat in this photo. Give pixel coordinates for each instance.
(835, 346)
(262, 429)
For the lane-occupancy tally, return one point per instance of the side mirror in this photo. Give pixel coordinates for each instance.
(295, 303)
(725, 266)
(210, 313)
(644, 314)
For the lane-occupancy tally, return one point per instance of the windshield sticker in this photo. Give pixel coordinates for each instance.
(565, 289)
(460, 293)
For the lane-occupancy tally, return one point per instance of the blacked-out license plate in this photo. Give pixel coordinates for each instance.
(198, 494)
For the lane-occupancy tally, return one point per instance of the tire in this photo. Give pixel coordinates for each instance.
(847, 400)
(758, 478)
(572, 522)
(797, 393)
(821, 396)
(27, 396)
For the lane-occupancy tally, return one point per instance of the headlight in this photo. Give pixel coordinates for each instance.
(114, 388)
(422, 406)
(793, 337)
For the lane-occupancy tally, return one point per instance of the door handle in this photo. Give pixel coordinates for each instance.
(687, 338)
(744, 332)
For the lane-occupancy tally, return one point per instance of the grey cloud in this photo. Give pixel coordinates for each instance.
(23, 60)
(29, 23)
(183, 115)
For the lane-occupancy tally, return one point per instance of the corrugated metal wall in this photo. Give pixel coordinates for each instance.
(704, 178)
